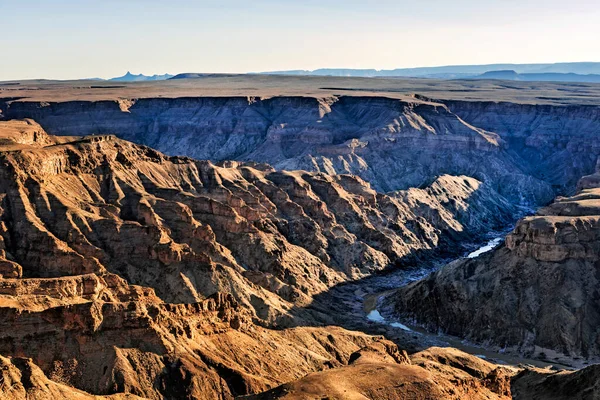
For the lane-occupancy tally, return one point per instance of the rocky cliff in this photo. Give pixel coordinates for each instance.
(558, 143)
(97, 205)
(527, 153)
(125, 271)
(537, 294)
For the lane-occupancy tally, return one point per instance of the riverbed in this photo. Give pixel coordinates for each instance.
(372, 302)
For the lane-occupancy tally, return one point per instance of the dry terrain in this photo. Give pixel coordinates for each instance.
(226, 235)
(226, 85)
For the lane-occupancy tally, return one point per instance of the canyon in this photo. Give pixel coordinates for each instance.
(223, 246)
(535, 294)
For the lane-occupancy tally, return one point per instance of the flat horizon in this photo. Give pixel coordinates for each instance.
(273, 71)
(69, 39)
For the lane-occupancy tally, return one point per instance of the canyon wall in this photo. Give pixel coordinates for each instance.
(125, 272)
(537, 294)
(189, 229)
(526, 152)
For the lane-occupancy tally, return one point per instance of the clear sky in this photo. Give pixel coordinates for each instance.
(82, 38)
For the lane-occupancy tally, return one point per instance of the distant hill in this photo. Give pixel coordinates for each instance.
(548, 76)
(129, 77)
(505, 74)
(197, 75)
(454, 71)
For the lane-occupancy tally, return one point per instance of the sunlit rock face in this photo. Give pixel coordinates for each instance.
(125, 270)
(98, 204)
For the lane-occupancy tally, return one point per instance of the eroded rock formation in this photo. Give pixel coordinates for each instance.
(537, 294)
(127, 272)
(100, 206)
(525, 152)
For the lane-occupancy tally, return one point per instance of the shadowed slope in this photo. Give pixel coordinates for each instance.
(188, 229)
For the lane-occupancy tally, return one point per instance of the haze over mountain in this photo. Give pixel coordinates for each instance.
(539, 77)
(454, 71)
(558, 72)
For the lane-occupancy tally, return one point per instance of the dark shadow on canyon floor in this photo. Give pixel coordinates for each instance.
(344, 304)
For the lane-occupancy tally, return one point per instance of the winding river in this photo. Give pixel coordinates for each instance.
(372, 301)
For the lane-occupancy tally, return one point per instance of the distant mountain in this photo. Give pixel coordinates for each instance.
(508, 74)
(129, 77)
(547, 76)
(197, 75)
(454, 71)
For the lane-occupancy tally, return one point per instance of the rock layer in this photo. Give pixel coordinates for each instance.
(525, 152)
(128, 271)
(188, 229)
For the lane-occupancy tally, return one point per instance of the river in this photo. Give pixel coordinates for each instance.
(371, 312)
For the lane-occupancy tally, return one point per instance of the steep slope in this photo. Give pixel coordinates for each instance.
(390, 143)
(560, 143)
(542, 384)
(537, 294)
(188, 229)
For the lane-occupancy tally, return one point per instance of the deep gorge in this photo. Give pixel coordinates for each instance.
(290, 204)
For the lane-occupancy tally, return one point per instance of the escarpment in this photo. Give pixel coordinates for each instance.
(527, 153)
(537, 294)
(559, 143)
(125, 271)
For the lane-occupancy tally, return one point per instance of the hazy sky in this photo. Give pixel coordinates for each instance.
(105, 38)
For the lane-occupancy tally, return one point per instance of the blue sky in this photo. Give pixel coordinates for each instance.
(75, 39)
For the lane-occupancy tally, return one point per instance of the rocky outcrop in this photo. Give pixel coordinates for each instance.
(209, 349)
(544, 384)
(536, 294)
(22, 379)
